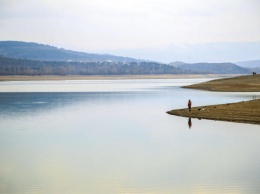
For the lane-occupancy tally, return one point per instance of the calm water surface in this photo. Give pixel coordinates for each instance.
(115, 137)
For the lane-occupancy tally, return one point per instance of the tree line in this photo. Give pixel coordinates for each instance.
(13, 66)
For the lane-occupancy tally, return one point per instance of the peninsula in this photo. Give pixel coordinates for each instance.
(243, 112)
(247, 83)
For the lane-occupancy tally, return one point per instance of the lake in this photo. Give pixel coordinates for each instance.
(114, 136)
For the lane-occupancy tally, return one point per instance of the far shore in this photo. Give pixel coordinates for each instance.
(112, 77)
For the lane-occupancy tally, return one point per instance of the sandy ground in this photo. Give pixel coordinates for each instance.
(113, 77)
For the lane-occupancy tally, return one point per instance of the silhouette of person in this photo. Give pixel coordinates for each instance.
(189, 122)
(189, 105)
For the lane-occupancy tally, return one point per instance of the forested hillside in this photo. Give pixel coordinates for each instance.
(35, 51)
(23, 58)
(214, 68)
(11, 66)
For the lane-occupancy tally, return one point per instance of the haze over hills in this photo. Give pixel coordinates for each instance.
(253, 66)
(249, 64)
(217, 52)
(35, 51)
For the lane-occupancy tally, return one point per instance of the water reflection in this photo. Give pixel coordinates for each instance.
(189, 122)
(22, 104)
(123, 142)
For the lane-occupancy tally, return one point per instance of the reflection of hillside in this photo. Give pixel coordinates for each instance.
(14, 104)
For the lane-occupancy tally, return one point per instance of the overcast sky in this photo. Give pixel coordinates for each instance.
(91, 25)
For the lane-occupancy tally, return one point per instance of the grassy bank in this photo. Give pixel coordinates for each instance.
(248, 83)
(242, 112)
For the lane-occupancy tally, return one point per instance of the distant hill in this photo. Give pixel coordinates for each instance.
(252, 66)
(249, 64)
(212, 68)
(35, 51)
(56, 60)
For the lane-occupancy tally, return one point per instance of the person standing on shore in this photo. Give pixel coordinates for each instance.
(189, 105)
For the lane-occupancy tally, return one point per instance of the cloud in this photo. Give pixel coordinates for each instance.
(122, 24)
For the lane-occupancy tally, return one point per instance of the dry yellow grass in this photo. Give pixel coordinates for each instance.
(243, 112)
(249, 83)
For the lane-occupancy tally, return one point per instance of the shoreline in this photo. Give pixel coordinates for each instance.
(112, 77)
(240, 112)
